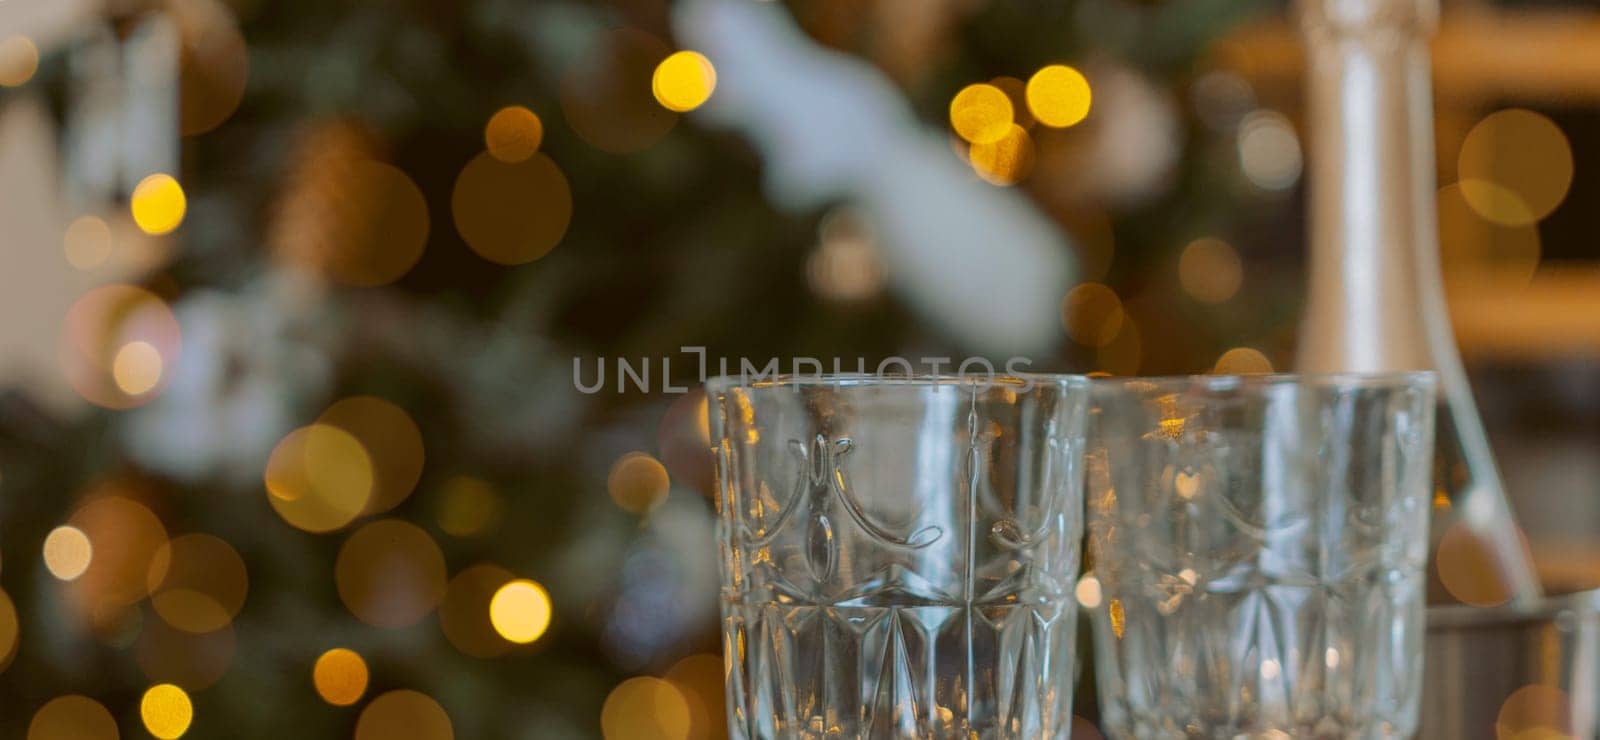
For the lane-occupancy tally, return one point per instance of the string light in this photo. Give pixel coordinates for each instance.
(981, 114)
(1515, 167)
(520, 611)
(684, 81)
(645, 708)
(167, 711)
(340, 677)
(158, 204)
(464, 613)
(1210, 270)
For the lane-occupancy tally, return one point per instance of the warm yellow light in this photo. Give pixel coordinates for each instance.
(198, 583)
(393, 443)
(67, 552)
(512, 213)
(1515, 167)
(136, 368)
(684, 81)
(319, 478)
(390, 574)
(404, 714)
(981, 114)
(167, 711)
(1003, 162)
(520, 611)
(72, 717)
(645, 707)
(1088, 592)
(1210, 270)
(1242, 361)
(340, 676)
(19, 59)
(1059, 96)
(158, 204)
(87, 242)
(638, 482)
(513, 134)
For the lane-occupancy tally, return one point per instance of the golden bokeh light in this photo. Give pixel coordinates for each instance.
(645, 708)
(684, 81)
(73, 717)
(347, 217)
(699, 678)
(1124, 353)
(638, 482)
(520, 611)
(87, 242)
(319, 478)
(1088, 592)
(404, 714)
(1269, 150)
(464, 613)
(1006, 161)
(166, 711)
(1210, 270)
(1477, 254)
(513, 134)
(340, 677)
(1535, 712)
(10, 630)
(1467, 568)
(166, 654)
(390, 574)
(1242, 361)
(67, 552)
(197, 583)
(467, 506)
(1092, 314)
(606, 92)
(1059, 96)
(1515, 167)
(116, 344)
(392, 441)
(213, 64)
(123, 536)
(981, 114)
(136, 368)
(511, 213)
(19, 59)
(158, 204)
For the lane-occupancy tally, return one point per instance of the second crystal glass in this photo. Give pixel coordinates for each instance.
(1259, 545)
(898, 555)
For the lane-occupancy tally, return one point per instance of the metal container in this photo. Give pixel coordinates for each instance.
(1514, 671)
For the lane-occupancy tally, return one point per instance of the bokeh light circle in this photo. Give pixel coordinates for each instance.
(1005, 161)
(699, 678)
(87, 242)
(392, 441)
(124, 536)
(117, 345)
(513, 134)
(511, 213)
(73, 717)
(158, 204)
(1242, 361)
(340, 677)
(464, 613)
(520, 611)
(1059, 96)
(404, 714)
(319, 478)
(213, 64)
(981, 114)
(606, 92)
(67, 552)
(197, 583)
(195, 661)
(1210, 270)
(638, 482)
(1477, 254)
(347, 217)
(166, 711)
(390, 574)
(645, 708)
(1535, 712)
(1467, 568)
(19, 59)
(684, 81)
(1515, 167)
(1093, 314)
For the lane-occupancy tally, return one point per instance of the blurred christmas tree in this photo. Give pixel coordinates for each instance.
(339, 478)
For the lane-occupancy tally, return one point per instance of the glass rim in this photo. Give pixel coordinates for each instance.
(1221, 382)
(723, 383)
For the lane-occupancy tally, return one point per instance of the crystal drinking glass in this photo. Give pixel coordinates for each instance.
(1259, 545)
(898, 555)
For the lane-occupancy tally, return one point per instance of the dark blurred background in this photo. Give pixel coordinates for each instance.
(301, 303)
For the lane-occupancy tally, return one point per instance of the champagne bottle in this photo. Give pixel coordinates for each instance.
(1376, 301)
